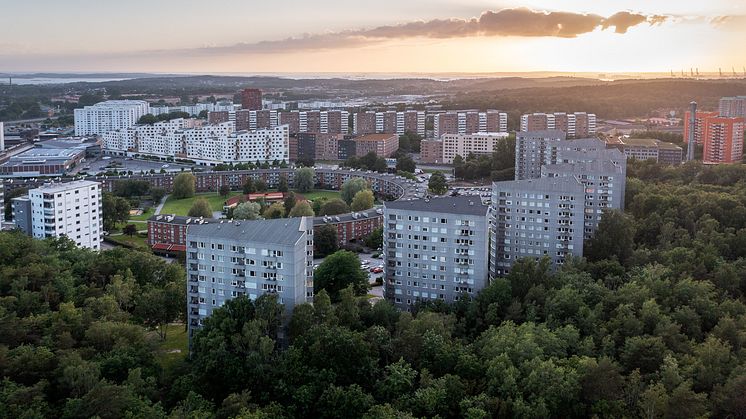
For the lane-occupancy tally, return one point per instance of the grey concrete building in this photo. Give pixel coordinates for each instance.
(535, 149)
(225, 260)
(536, 218)
(435, 249)
(604, 184)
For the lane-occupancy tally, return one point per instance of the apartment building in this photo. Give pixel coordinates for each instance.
(604, 183)
(649, 149)
(225, 260)
(469, 122)
(463, 145)
(109, 115)
(389, 122)
(207, 145)
(431, 151)
(364, 123)
(251, 99)
(574, 125)
(538, 148)
(721, 136)
(71, 209)
(291, 119)
(435, 249)
(733, 107)
(536, 218)
(384, 145)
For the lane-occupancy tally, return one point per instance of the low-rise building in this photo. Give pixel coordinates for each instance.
(435, 249)
(384, 145)
(482, 143)
(431, 151)
(649, 149)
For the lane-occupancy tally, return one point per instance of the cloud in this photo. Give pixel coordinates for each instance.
(519, 22)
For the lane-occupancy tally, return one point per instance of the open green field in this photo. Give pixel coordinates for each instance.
(175, 348)
(182, 206)
(321, 194)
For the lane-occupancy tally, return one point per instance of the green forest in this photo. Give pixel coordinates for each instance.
(651, 323)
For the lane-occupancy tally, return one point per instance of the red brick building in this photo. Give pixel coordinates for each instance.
(251, 99)
(167, 233)
(384, 145)
(431, 151)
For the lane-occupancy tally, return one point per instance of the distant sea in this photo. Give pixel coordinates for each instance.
(57, 80)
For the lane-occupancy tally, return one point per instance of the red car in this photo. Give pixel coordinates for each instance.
(377, 270)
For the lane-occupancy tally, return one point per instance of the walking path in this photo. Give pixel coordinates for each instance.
(160, 206)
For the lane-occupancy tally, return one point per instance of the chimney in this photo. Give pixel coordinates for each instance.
(692, 127)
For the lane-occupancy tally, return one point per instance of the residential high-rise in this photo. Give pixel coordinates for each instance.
(435, 249)
(539, 148)
(225, 260)
(469, 122)
(109, 115)
(465, 144)
(386, 122)
(722, 137)
(384, 145)
(605, 182)
(251, 99)
(574, 125)
(733, 107)
(292, 120)
(535, 218)
(364, 123)
(2, 137)
(71, 209)
(410, 121)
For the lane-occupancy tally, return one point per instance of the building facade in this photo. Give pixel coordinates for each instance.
(536, 218)
(538, 148)
(733, 107)
(70, 209)
(465, 144)
(721, 136)
(225, 260)
(251, 99)
(431, 151)
(384, 145)
(469, 122)
(109, 115)
(435, 249)
(574, 125)
(649, 149)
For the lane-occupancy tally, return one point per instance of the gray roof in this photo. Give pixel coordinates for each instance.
(467, 205)
(549, 133)
(588, 167)
(283, 231)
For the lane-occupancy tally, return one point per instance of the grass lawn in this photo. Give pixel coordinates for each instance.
(319, 194)
(138, 242)
(175, 348)
(182, 206)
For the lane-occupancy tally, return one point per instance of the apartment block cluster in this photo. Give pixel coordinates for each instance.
(463, 133)
(721, 133)
(575, 125)
(71, 209)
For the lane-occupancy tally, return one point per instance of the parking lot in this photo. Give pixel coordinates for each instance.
(367, 262)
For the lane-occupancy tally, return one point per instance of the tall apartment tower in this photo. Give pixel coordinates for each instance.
(108, 116)
(604, 181)
(225, 260)
(722, 137)
(435, 249)
(364, 123)
(469, 122)
(536, 149)
(251, 99)
(71, 209)
(535, 218)
(733, 107)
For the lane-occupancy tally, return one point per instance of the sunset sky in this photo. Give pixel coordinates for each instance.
(430, 36)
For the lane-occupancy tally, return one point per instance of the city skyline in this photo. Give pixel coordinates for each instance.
(330, 36)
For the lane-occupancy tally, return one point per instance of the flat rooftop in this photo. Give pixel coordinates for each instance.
(375, 137)
(66, 186)
(467, 205)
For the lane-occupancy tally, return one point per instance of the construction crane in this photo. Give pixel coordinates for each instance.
(721, 72)
(697, 72)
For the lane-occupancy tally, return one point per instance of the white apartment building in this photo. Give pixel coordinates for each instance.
(71, 209)
(109, 115)
(207, 145)
(463, 145)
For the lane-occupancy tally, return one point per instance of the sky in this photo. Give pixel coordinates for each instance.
(383, 36)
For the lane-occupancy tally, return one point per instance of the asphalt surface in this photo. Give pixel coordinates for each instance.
(99, 165)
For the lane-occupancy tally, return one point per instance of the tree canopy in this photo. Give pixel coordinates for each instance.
(200, 208)
(183, 185)
(304, 179)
